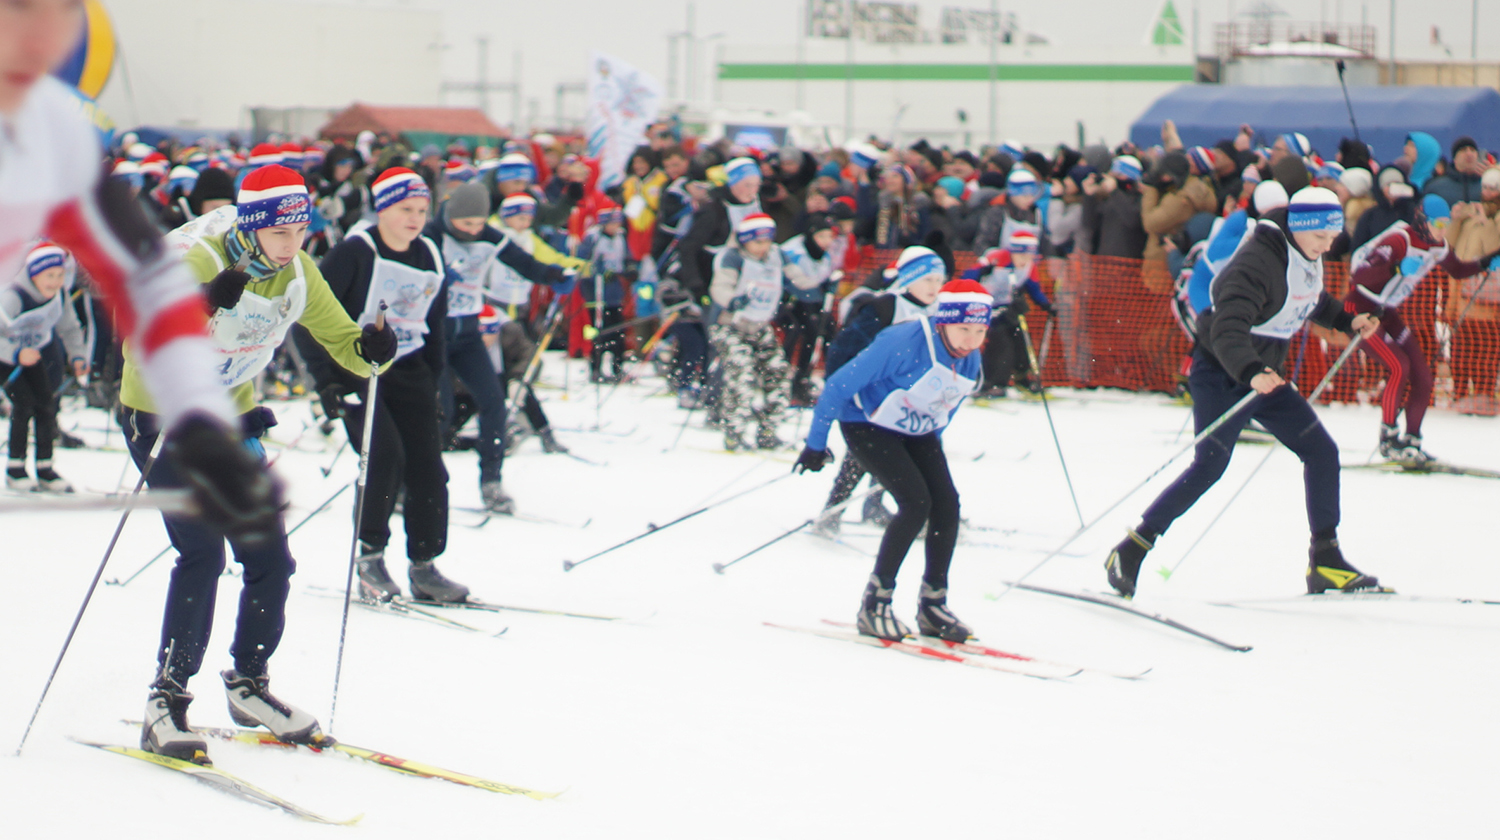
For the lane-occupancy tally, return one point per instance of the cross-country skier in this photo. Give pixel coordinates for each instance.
(1010, 274)
(920, 274)
(892, 402)
(1383, 273)
(1260, 300)
(258, 283)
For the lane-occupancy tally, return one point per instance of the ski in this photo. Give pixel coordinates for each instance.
(1440, 467)
(403, 608)
(261, 737)
(929, 653)
(1383, 594)
(473, 604)
(1123, 606)
(222, 781)
(488, 514)
(973, 649)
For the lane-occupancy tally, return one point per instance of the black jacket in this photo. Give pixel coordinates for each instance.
(710, 228)
(1250, 291)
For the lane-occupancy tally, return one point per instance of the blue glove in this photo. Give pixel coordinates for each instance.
(739, 303)
(565, 288)
(1410, 265)
(1495, 263)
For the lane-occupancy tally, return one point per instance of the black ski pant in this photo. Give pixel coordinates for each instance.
(612, 343)
(194, 587)
(407, 451)
(469, 360)
(850, 472)
(33, 401)
(1004, 351)
(800, 321)
(915, 472)
(692, 352)
(1284, 413)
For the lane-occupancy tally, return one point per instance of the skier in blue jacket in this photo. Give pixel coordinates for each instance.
(892, 402)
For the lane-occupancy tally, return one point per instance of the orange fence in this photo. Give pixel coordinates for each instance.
(1115, 330)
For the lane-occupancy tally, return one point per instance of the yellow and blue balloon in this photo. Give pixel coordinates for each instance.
(87, 69)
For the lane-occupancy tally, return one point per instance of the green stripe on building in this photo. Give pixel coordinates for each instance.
(958, 72)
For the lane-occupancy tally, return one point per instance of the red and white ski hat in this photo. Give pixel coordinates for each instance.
(459, 171)
(755, 226)
(396, 185)
(963, 302)
(1022, 241)
(44, 256)
(264, 154)
(271, 196)
(610, 213)
(517, 204)
(156, 164)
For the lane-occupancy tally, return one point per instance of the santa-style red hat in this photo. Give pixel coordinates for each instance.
(396, 185)
(271, 196)
(963, 302)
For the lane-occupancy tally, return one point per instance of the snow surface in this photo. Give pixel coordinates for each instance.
(690, 719)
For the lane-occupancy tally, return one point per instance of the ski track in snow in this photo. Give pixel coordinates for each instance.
(691, 719)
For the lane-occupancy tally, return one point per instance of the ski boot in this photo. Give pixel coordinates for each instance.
(874, 511)
(375, 582)
(935, 619)
(496, 500)
(252, 704)
(550, 444)
(1390, 443)
(736, 443)
(1327, 569)
(165, 730)
(1124, 563)
(428, 584)
(48, 481)
(1410, 453)
(18, 479)
(766, 438)
(876, 618)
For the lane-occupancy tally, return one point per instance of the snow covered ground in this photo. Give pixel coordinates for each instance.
(690, 719)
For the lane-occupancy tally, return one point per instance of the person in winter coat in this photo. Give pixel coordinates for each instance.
(1171, 198)
(1269, 290)
(894, 212)
(1472, 307)
(1393, 202)
(1016, 209)
(1112, 210)
(1463, 180)
(611, 267)
(804, 316)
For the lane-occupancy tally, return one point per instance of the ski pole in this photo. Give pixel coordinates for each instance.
(599, 332)
(648, 350)
(652, 528)
(1037, 371)
(533, 367)
(328, 470)
(1046, 343)
(130, 505)
(708, 374)
(371, 392)
(1201, 436)
(1166, 574)
(832, 511)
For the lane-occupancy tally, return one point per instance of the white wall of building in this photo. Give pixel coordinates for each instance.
(205, 63)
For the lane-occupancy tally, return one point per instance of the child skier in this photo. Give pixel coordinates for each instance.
(746, 289)
(605, 248)
(1010, 274)
(1260, 300)
(509, 287)
(803, 314)
(892, 402)
(33, 311)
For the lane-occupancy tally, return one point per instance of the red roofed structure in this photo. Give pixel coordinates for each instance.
(417, 125)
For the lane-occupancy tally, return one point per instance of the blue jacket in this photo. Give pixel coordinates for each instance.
(1215, 256)
(897, 358)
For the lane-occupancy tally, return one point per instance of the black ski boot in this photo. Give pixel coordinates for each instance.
(165, 730)
(935, 619)
(1124, 563)
(550, 444)
(428, 584)
(251, 703)
(1390, 443)
(876, 618)
(1327, 569)
(375, 582)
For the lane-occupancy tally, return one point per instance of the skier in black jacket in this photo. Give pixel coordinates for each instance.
(1273, 285)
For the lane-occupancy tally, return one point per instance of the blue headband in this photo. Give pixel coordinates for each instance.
(1314, 217)
(916, 269)
(738, 170)
(963, 312)
(515, 172)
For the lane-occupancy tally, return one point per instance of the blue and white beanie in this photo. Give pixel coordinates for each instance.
(515, 167)
(918, 263)
(1297, 144)
(44, 256)
(397, 184)
(1020, 181)
(864, 156)
(272, 196)
(964, 302)
(1126, 167)
(1314, 209)
(517, 204)
(755, 226)
(1014, 148)
(183, 177)
(739, 169)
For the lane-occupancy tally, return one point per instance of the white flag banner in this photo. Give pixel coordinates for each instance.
(622, 102)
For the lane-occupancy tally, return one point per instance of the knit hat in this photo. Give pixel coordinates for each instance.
(1329, 169)
(396, 185)
(908, 177)
(1126, 167)
(739, 169)
(952, 186)
(1435, 207)
(1297, 144)
(214, 183)
(182, 178)
(1022, 182)
(468, 201)
(197, 160)
(271, 196)
(864, 155)
(291, 155)
(1014, 148)
(841, 209)
(967, 157)
(1251, 174)
(963, 302)
(156, 164)
(830, 170)
(1490, 180)
(1268, 196)
(755, 226)
(1357, 181)
(313, 156)
(817, 222)
(1201, 159)
(515, 167)
(610, 214)
(1080, 173)
(1022, 241)
(1390, 175)
(1314, 209)
(918, 263)
(264, 154)
(459, 171)
(517, 204)
(1463, 143)
(44, 256)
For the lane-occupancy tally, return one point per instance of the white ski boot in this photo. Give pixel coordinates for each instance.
(252, 704)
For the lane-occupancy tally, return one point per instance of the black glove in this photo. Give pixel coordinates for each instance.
(332, 398)
(740, 302)
(1050, 309)
(376, 346)
(225, 289)
(812, 460)
(234, 492)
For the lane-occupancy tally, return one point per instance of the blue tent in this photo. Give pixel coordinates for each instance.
(1205, 114)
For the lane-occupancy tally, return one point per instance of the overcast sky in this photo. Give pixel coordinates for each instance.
(555, 37)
